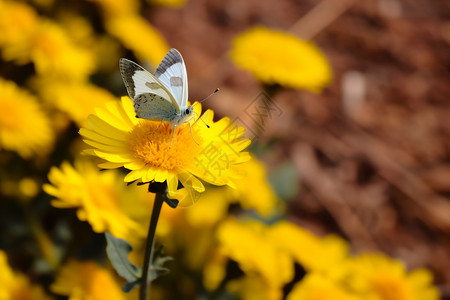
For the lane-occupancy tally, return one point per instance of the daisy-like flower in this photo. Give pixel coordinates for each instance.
(260, 198)
(138, 35)
(144, 147)
(315, 286)
(63, 95)
(254, 288)
(17, 23)
(376, 276)
(271, 263)
(276, 57)
(24, 127)
(101, 198)
(87, 281)
(316, 254)
(168, 3)
(115, 9)
(53, 53)
(15, 286)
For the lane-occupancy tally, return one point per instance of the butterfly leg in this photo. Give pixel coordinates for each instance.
(160, 124)
(190, 127)
(173, 135)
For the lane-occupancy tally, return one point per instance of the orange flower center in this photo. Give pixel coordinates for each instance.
(151, 141)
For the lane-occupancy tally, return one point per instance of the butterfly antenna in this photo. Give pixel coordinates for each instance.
(200, 119)
(215, 91)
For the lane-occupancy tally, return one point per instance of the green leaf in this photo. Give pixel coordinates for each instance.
(127, 287)
(284, 179)
(118, 250)
(157, 269)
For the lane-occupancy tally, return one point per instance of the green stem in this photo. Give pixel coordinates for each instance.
(159, 199)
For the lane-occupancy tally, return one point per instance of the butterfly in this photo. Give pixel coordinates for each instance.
(161, 96)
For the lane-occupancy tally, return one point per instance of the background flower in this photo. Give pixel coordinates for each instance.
(275, 57)
(14, 285)
(87, 281)
(24, 126)
(102, 199)
(376, 276)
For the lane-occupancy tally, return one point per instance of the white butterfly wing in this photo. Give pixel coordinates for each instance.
(172, 73)
(139, 82)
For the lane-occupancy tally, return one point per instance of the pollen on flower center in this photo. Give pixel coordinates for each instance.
(150, 142)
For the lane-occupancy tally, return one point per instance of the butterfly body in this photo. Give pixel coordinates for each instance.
(161, 96)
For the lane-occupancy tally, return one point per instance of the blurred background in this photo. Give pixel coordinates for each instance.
(346, 104)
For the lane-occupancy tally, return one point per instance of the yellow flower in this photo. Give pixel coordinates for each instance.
(315, 286)
(53, 53)
(24, 127)
(64, 95)
(17, 23)
(136, 34)
(310, 251)
(15, 286)
(254, 288)
(86, 281)
(116, 9)
(252, 192)
(275, 57)
(250, 245)
(106, 49)
(101, 198)
(169, 3)
(144, 147)
(378, 277)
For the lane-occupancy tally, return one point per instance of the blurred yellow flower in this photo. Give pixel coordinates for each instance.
(24, 127)
(28, 187)
(311, 252)
(78, 100)
(136, 34)
(45, 4)
(78, 28)
(315, 286)
(249, 244)
(101, 198)
(116, 9)
(169, 3)
(252, 192)
(276, 57)
(53, 53)
(255, 288)
(15, 286)
(86, 281)
(104, 47)
(378, 277)
(17, 23)
(143, 146)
